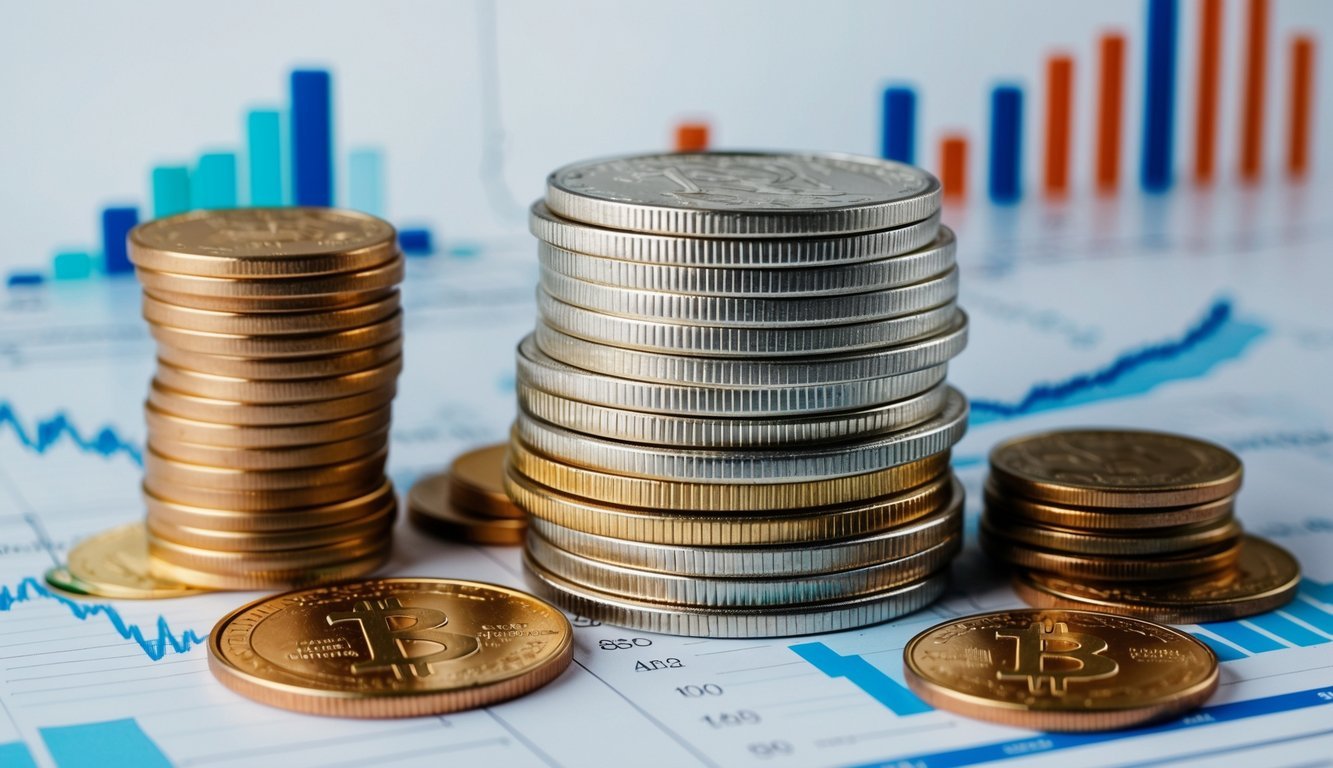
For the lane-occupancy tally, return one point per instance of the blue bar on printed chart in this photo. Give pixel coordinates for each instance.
(116, 225)
(263, 136)
(1276, 624)
(365, 189)
(15, 754)
(111, 744)
(1243, 637)
(171, 190)
(24, 278)
(312, 138)
(1310, 613)
(214, 182)
(416, 242)
(1224, 652)
(864, 675)
(899, 139)
(1006, 140)
(72, 265)
(1159, 95)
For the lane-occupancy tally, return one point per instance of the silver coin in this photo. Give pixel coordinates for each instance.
(739, 341)
(731, 431)
(757, 312)
(738, 372)
(730, 252)
(769, 621)
(537, 369)
(807, 558)
(743, 194)
(809, 463)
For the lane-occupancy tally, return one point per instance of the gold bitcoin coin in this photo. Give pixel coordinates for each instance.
(1265, 578)
(250, 579)
(229, 563)
(429, 509)
(1193, 563)
(60, 578)
(377, 523)
(1115, 468)
(283, 519)
(1108, 518)
(115, 564)
(476, 483)
(391, 647)
(1059, 670)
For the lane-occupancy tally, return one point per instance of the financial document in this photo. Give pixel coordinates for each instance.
(1207, 315)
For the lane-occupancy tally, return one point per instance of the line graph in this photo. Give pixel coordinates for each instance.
(1218, 337)
(155, 648)
(49, 432)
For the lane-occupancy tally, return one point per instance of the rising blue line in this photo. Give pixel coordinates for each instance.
(107, 442)
(1136, 371)
(31, 589)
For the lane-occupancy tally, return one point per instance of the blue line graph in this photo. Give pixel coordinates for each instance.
(892, 694)
(154, 648)
(48, 432)
(1215, 339)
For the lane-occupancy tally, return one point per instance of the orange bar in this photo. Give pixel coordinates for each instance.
(1252, 118)
(1059, 84)
(953, 166)
(1110, 98)
(1302, 110)
(691, 137)
(1205, 115)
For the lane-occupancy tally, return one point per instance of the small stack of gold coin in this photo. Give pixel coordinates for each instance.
(468, 502)
(733, 414)
(1130, 522)
(278, 351)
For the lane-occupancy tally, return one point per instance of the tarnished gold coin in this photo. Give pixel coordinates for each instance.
(1193, 563)
(115, 564)
(60, 578)
(429, 509)
(1115, 468)
(257, 243)
(1265, 577)
(1108, 518)
(401, 647)
(476, 482)
(1144, 543)
(1059, 670)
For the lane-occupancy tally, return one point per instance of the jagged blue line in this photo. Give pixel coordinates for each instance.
(1214, 320)
(107, 442)
(31, 589)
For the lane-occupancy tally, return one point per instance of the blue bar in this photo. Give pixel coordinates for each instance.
(1224, 652)
(1006, 141)
(864, 675)
(1159, 95)
(263, 135)
(171, 190)
(1244, 637)
(1310, 614)
(15, 754)
(1321, 592)
(1285, 628)
(899, 140)
(112, 744)
(72, 265)
(366, 188)
(116, 226)
(312, 138)
(24, 278)
(214, 183)
(416, 242)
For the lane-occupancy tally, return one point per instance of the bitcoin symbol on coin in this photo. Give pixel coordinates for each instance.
(390, 638)
(1050, 656)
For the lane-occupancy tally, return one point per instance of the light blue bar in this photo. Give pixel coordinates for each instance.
(1310, 613)
(214, 182)
(171, 190)
(263, 133)
(1242, 636)
(1285, 628)
(72, 265)
(16, 755)
(112, 744)
(889, 692)
(1321, 592)
(1224, 652)
(366, 178)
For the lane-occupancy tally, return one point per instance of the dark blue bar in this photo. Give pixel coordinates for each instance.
(1223, 651)
(312, 138)
(416, 242)
(891, 694)
(1006, 139)
(1321, 592)
(1242, 636)
(17, 279)
(1310, 614)
(116, 226)
(899, 140)
(1159, 95)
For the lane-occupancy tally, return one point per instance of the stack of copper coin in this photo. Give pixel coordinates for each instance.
(278, 351)
(468, 502)
(1130, 522)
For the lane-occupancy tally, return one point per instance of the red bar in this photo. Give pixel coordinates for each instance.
(1059, 84)
(1110, 98)
(1252, 118)
(953, 166)
(1205, 116)
(1302, 108)
(692, 137)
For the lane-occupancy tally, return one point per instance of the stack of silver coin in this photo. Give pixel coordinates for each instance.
(733, 416)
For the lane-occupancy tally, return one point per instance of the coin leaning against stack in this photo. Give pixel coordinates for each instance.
(733, 416)
(1130, 522)
(278, 350)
